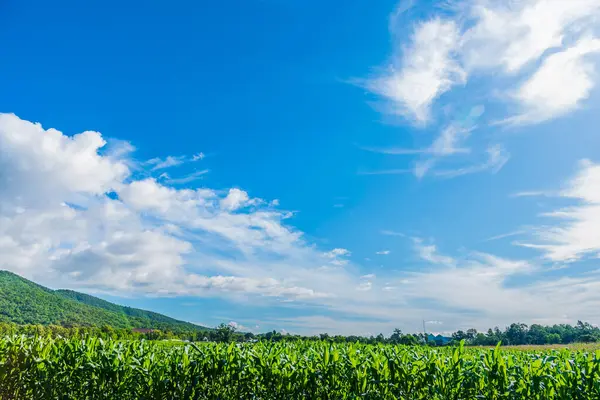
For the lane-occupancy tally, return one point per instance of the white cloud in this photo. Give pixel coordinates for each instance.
(194, 176)
(198, 157)
(158, 163)
(264, 287)
(484, 36)
(430, 253)
(235, 199)
(168, 162)
(386, 172)
(450, 142)
(560, 84)
(531, 193)
(44, 166)
(425, 70)
(241, 327)
(388, 232)
(368, 276)
(505, 235)
(538, 56)
(337, 257)
(383, 252)
(446, 143)
(497, 158)
(58, 225)
(513, 35)
(337, 252)
(577, 233)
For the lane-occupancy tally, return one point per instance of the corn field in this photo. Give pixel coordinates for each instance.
(74, 369)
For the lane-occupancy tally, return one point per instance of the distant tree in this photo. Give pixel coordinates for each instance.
(480, 339)
(537, 334)
(459, 335)
(224, 333)
(396, 336)
(553, 338)
(410, 340)
(471, 333)
(516, 334)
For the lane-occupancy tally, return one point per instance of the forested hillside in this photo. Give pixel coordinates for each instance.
(25, 302)
(137, 317)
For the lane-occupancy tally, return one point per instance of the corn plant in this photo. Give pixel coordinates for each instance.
(42, 368)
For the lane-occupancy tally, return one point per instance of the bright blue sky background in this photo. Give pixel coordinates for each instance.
(276, 95)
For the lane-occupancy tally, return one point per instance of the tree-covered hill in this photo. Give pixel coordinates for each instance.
(25, 302)
(137, 317)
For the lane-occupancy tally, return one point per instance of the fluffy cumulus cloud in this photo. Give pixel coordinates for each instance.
(41, 166)
(538, 57)
(72, 216)
(235, 199)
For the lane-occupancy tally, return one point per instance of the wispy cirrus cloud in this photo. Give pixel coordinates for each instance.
(421, 71)
(198, 156)
(386, 172)
(388, 232)
(158, 163)
(505, 235)
(194, 176)
(575, 233)
(538, 57)
(429, 252)
(559, 86)
(497, 156)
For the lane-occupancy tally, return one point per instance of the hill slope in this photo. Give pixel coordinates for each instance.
(25, 302)
(138, 318)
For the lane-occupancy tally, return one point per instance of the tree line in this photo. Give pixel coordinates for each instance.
(514, 334)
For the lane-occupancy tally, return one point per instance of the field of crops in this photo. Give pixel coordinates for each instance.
(95, 369)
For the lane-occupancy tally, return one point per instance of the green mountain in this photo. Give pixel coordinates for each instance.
(26, 302)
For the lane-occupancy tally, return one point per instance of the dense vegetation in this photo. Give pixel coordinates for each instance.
(24, 302)
(515, 334)
(520, 334)
(38, 368)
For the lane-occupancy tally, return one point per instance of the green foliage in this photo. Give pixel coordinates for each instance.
(137, 318)
(521, 334)
(224, 333)
(40, 368)
(24, 302)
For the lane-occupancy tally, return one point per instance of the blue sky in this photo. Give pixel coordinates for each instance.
(307, 166)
